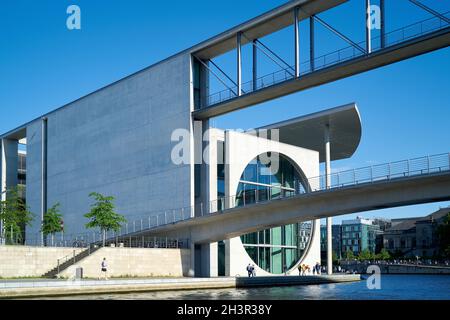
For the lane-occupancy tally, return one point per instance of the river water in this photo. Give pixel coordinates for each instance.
(393, 287)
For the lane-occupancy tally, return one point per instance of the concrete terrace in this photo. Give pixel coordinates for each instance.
(13, 289)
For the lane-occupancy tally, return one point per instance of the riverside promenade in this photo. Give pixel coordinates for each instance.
(12, 289)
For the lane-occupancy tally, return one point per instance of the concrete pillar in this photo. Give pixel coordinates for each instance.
(44, 129)
(209, 257)
(328, 185)
(9, 159)
(191, 272)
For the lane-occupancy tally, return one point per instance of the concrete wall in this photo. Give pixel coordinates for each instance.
(126, 262)
(116, 141)
(241, 149)
(18, 261)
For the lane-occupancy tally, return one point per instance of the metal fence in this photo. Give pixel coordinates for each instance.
(333, 58)
(372, 174)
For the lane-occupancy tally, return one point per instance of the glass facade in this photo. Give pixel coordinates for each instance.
(279, 249)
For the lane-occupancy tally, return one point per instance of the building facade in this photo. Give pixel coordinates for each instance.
(415, 237)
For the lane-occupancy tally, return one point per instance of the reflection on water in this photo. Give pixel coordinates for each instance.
(396, 287)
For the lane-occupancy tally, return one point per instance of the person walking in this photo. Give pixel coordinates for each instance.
(249, 270)
(253, 271)
(104, 267)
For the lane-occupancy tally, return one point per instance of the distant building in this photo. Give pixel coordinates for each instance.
(336, 241)
(359, 235)
(415, 236)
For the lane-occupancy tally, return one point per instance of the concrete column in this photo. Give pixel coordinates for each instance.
(209, 253)
(43, 176)
(191, 272)
(9, 150)
(328, 185)
(209, 256)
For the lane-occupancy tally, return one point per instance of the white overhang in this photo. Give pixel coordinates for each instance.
(309, 131)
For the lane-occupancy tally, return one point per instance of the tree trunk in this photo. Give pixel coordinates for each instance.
(104, 237)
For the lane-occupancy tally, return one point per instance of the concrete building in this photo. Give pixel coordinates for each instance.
(147, 141)
(360, 234)
(415, 237)
(337, 241)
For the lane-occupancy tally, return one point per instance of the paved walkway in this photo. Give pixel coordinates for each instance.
(44, 288)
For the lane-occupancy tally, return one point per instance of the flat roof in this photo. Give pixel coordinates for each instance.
(263, 25)
(309, 131)
(269, 22)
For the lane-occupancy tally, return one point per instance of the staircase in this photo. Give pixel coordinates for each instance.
(66, 262)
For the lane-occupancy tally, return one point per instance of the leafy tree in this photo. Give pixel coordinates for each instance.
(365, 255)
(103, 216)
(349, 255)
(15, 215)
(52, 221)
(335, 258)
(383, 255)
(443, 232)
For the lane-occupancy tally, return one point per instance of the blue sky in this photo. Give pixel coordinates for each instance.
(43, 65)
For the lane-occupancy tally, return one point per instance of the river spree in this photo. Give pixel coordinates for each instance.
(393, 287)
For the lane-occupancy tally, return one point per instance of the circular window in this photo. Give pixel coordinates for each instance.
(279, 249)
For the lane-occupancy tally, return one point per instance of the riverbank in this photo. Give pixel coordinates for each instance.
(55, 288)
(398, 269)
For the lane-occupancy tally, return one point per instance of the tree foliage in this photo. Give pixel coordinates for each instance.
(103, 215)
(383, 255)
(349, 255)
(52, 221)
(14, 214)
(443, 232)
(365, 255)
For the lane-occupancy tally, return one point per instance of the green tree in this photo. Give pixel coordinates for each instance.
(335, 258)
(52, 222)
(383, 255)
(15, 215)
(365, 255)
(349, 255)
(443, 232)
(103, 216)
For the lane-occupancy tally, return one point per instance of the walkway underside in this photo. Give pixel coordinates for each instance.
(405, 50)
(359, 198)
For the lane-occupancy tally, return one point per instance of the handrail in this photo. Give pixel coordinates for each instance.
(391, 171)
(228, 94)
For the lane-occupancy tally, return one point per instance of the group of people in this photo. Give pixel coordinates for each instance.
(305, 269)
(251, 270)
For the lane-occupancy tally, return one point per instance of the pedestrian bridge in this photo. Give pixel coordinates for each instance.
(408, 182)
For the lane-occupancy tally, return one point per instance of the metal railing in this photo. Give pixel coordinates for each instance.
(377, 173)
(372, 174)
(333, 58)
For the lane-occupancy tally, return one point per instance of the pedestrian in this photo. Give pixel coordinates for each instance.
(249, 270)
(317, 268)
(253, 271)
(104, 266)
